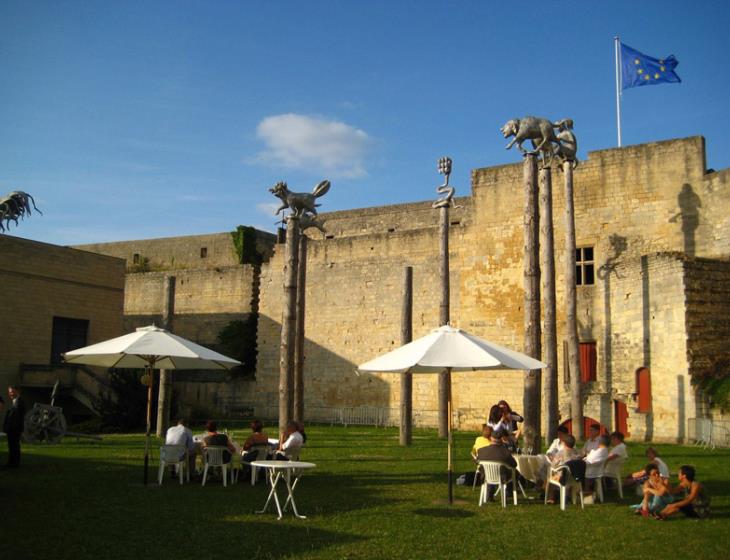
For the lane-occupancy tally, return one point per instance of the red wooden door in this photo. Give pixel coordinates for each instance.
(621, 415)
(643, 389)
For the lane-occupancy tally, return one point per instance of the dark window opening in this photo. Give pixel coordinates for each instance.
(456, 223)
(329, 236)
(584, 267)
(391, 229)
(588, 361)
(135, 258)
(203, 252)
(68, 334)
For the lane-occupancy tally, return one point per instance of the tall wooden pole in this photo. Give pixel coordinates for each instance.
(164, 397)
(299, 342)
(406, 379)
(571, 319)
(531, 402)
(444, 376)
(288, 325)
(550, 336)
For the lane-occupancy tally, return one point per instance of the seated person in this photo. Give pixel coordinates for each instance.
(496, 419)
(258, 437)
(215, 439)
(180, 434)
(483, 440)
(497, 452)
(594, 466)
(696, 500)
(639, 477)
(559, 459)
(616, 453)
(558, 443)
(594, 432)
(510, 418)
(656, 492)
(291, 442)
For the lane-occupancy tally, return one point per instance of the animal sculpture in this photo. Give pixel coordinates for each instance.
(299, 203)
(14, 205)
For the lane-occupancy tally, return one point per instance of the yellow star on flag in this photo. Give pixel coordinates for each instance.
(640, 71)
(636, 61)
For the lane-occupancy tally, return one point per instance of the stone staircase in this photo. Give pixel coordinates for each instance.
(79, 382)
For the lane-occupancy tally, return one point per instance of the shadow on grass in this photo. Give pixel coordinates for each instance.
(444, 512)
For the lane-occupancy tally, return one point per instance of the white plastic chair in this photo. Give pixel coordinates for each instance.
(597, 476)
(569, 483)
(213, 457)
(493, 476)
(612, 469)
(173, 455)
(476, 472)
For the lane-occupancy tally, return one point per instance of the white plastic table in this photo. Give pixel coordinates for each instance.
(276, 470)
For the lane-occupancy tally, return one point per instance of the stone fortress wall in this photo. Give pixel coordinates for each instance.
(656, 219)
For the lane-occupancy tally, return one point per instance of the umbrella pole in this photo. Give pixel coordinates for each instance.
(448, 408)
(149, 422)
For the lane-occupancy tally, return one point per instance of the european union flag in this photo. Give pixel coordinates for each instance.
(638, 69)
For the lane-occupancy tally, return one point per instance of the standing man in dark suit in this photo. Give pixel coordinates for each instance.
(13, 426)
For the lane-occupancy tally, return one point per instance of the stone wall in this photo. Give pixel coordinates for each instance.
(171, 253)
(631, 203)
(41, 281)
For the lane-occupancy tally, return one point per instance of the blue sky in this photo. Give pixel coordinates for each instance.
(129, 120)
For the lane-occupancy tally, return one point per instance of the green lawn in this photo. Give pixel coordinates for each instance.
(367, 498)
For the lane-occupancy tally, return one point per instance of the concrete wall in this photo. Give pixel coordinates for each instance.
(39, 281)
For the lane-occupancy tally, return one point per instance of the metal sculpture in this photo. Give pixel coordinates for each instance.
(444, 167)
(45, 423)
(541, 132)
(14, 205)
(299, 203)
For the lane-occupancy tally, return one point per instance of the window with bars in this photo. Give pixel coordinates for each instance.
(585, 273)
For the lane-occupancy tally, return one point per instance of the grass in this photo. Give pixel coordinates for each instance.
(367, 498)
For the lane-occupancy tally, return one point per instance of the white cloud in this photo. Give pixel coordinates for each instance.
(268, 208)
(318, 144)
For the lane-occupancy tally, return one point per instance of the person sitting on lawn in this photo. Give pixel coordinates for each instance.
(484, 439)
(638, 478)
(696, 500)
(558, 443)
(594, 466)
(291, 442)
(215, 439)
(594, 432)
(656, 492)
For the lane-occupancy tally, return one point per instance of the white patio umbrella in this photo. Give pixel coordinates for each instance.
(451, 349)
(150, 348)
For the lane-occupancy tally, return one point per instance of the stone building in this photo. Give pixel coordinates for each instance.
(56, 299)
(653, 245)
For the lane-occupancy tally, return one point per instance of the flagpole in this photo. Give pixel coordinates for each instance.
(618, 90)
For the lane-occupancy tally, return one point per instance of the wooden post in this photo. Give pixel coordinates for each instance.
(450, 467)
(299, 341)
(532, 400)
(288, 325)
(444, 376)
(149, 371)
(406, 379)
(571, 319)
(164, 397)
(550, 336)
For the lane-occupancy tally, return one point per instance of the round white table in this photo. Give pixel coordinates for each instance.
(277, 470)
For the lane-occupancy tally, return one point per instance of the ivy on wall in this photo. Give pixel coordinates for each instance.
(244, 240)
